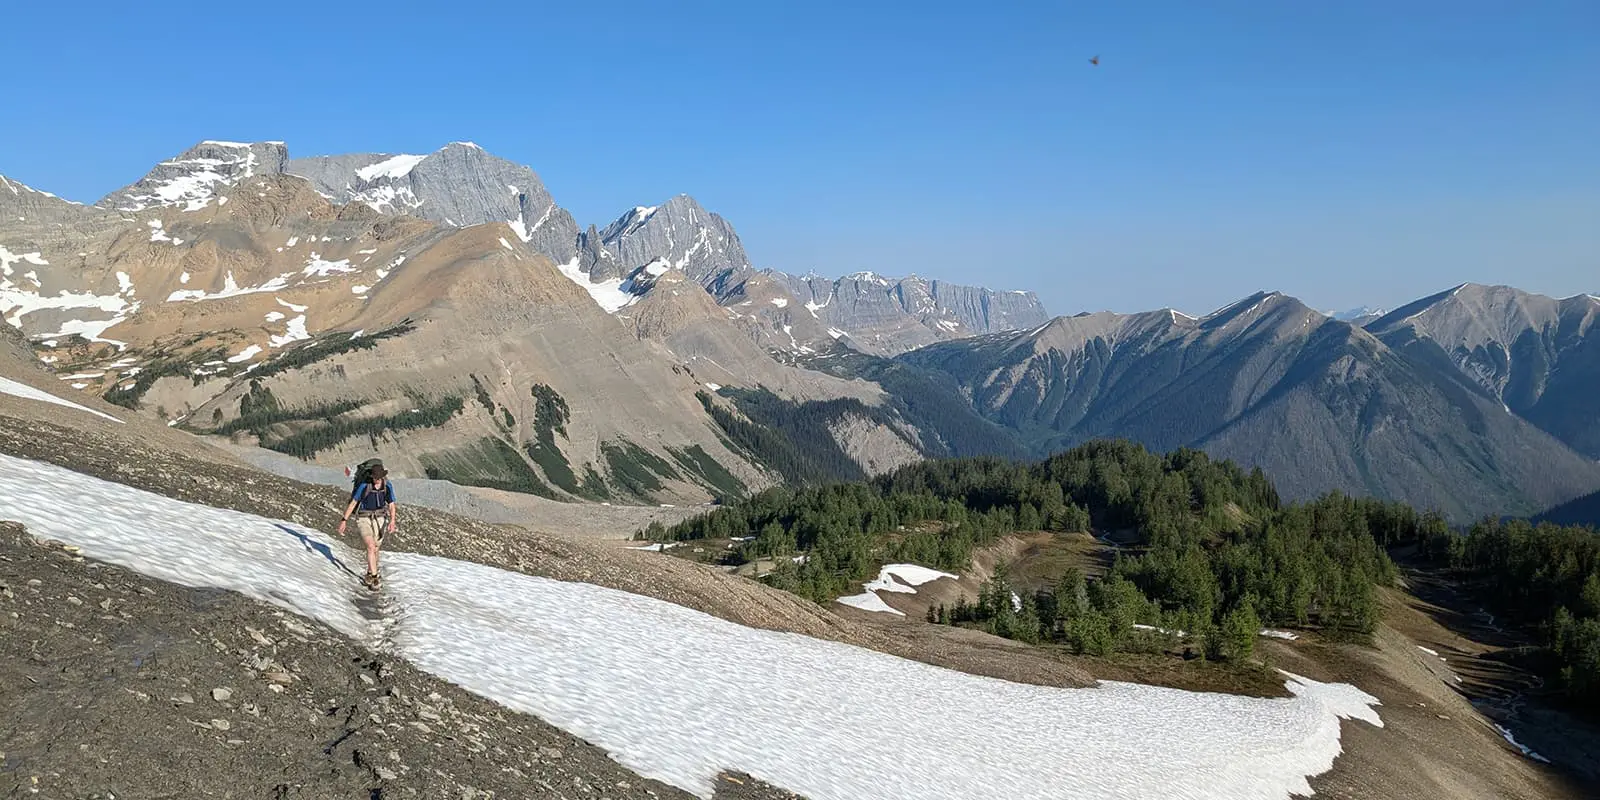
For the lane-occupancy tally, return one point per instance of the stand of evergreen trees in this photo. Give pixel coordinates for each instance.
(1210, 553)
(1545, 577)
(1211, 547)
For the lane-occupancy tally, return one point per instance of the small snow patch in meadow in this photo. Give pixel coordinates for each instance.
(1429, 651)
(506, 244)
(296, 332)
(780, 302)
(359, 290)
(1287, 635)
(318, 267)
(275, 316)
(184, 279)
(909, 575)
(657, 547)
(246, 354)
(230, 288)
(293, 240)
(291, 306)
(715, 387)
(23, 390)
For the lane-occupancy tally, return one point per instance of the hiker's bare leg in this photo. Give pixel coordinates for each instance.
(372, 555)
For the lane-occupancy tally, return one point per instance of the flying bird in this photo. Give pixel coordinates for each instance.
(1095, 61)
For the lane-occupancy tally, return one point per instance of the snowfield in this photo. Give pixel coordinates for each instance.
(17, 389)
(679, 695)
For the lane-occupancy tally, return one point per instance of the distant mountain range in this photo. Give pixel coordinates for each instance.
(1317, 402)
(443, 310)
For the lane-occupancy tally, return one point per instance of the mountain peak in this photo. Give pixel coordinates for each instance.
(196, 176)
(459, 184)
(19, 188)
(680, 233)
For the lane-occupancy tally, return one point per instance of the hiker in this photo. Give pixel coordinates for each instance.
(372, 500)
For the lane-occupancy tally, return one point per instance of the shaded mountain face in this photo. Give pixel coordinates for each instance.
(1317, 403)
(1582, 511)
(459, 184)
(1534, 354)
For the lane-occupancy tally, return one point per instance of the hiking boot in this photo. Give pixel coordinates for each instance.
(371, 581)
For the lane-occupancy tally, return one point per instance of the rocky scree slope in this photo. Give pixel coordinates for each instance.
(114, 684)
(1316, 402)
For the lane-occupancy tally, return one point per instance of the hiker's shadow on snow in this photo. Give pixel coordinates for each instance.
(312, 545)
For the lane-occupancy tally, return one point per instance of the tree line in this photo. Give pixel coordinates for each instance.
(1209, 546)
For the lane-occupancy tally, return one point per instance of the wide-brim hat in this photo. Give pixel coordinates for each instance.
(378, 472)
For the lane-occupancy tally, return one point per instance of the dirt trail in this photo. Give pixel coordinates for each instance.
(1483, 659)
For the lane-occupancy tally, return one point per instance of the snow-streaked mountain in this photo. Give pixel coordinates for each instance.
(459, 184)
(181, 313)
(679, 234)
(1359, 315)
(893, 315)
(649, 681)
(195, 178)
(1318, 403)
(1537, 355)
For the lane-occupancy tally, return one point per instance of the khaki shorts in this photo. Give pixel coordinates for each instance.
(372, 527)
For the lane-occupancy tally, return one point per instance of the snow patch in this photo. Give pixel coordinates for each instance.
(780, 302)
(230, 288)
(393, 167)
(910, 576)
(609, 295)
(715, 387)
(506, 244)
(1527, 751)
(291, 306)
(157, 234)
(184, 279)
(293, 240)
(246, 354)
(275, 316)
(318, 267)
(296, 332)
(1286, 635)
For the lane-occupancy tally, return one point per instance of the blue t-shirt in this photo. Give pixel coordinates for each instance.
(370, 500)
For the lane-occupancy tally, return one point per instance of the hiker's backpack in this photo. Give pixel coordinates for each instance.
(363, 473)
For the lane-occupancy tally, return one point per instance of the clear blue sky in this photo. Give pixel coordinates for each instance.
(1350, 152)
